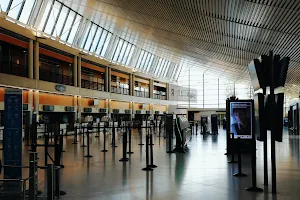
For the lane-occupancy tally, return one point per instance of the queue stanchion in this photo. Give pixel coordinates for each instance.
(57, 158)
(104, 140)
(33, 174)
(113, 142)
(61, 140)
(232, 149)
(141, 135)
(98, 131)
(50, 181)
(75, 136)
(124, 159)
(88, 145)
(147, 168)
(83, 145)
(151, 152)
(46, 149)
(239, 174)
(130, 135)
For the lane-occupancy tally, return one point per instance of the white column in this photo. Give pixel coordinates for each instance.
(79, 72)
(36, 61)
(75, 71)
(30, 59)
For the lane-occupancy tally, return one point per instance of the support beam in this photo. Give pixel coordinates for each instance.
(30, 59)
(107, 79)
(79, 108)
(132, 84)
(30, 103)
(79, 72)
(36, 103)
(151, 88)
(75, 106)
(75, 67)
(36, 60)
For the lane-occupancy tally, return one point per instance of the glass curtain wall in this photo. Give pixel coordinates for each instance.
(212, 90)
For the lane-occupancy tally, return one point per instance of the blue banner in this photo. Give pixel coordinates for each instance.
(12, 138)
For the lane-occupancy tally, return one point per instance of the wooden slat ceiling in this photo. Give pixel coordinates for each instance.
(228, 32)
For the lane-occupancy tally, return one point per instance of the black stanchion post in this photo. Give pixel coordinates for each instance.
(232, 149)
(254, 188)
(88, 145)
(46, 149)
(113, 142)
(130, 134)
(83, 145)
(151, 152)
(75, 135)
(141, 135)
(147, 168)
(124, 159)
(61, 140)
(50, 182)
(104, 140)
(98, 130)
(239, 174)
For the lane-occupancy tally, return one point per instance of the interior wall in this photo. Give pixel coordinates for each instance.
(55, 99)
(120, 105)
(138, 106)
(161, 108)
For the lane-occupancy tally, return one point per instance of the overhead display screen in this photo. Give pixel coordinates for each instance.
(241, 119)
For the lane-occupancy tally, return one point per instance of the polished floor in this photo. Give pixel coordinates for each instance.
(202, 173)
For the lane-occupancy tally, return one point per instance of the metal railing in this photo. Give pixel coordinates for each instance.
(92, 85)
(139, 93)
(13, 68)
(119, 90)
(47, 75)
(159, 96)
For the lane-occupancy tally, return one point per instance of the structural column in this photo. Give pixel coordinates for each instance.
(36, 61)
(109, 80)
(151, 87)
(75, 71)
(167, 92)
(75, 106)
(79, 73)
(132, 83)
(36, 103)
(30, 59)
(30, 105)
(79, 108)
(106, 78)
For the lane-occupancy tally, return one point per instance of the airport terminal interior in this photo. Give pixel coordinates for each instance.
(149, 100)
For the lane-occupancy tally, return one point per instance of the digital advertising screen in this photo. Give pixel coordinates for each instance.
(241, 119)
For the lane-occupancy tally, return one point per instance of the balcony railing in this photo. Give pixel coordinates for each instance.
(139, 93)
(47, 75)
(159, 96)
(13, 68)
(92, 85)
(119, 90)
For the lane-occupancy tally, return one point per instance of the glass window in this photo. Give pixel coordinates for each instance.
(87, 28)
(61, 20)
(74, 29)
(150, 63)
(101, 42)
(90, 37)
(118, 49)
(130, 55)
(122, 52)
(4, 5)
(96, 40)
(126, 53)
(52, 18)
(106, 42)
(45, 15)
(68, 25)
(27, 9)
(138, 63)
(15, 8)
